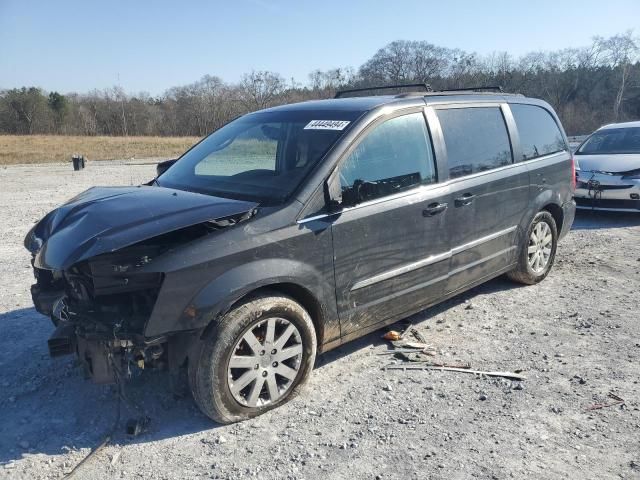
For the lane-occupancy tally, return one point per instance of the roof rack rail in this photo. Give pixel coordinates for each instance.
(496, 88)
(426, 87)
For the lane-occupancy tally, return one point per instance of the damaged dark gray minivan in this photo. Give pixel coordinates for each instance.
(295, 229)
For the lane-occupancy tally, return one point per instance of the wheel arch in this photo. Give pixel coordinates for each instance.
(550, 201)
(556, 212)
(296, 292)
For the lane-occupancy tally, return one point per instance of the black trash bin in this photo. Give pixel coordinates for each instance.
(78, 162)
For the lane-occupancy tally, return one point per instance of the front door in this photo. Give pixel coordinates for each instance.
(489, 192)
(391, 248)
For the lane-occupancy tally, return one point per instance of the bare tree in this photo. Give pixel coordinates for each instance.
(587, 86)
(621, 51)
(260, 89)
(402, 61)
(331, 79)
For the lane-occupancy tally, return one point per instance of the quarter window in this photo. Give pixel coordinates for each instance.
(476, 139)
(396, 155)
(539, 133)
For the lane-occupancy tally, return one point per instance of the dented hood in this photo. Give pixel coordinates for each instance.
(105, 219)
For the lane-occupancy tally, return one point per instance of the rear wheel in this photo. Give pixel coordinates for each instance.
(538, 251)
(254, 359)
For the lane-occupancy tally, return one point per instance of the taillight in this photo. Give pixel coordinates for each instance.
(573, 174)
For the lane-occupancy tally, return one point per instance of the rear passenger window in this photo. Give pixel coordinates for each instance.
(476, 139)
(539, 133)
(394, 156)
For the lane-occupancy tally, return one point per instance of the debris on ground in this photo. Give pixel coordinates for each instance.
(136, 426)
(115, 457)
(413, 356)
(616, 398)
(509, 375)
(392, 335)
(427, 351)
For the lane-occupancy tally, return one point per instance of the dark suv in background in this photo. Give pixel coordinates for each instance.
(292, 230)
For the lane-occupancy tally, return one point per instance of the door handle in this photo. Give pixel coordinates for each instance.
(434, 209)
(466, 199)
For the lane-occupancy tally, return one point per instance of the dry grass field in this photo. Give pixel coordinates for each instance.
(15, 149)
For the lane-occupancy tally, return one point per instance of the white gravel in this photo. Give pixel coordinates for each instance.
(575, 336)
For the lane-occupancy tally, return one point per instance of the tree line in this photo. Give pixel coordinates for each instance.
(588, 87)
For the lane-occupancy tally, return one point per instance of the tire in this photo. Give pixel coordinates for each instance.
(217, 387)
(524, 271)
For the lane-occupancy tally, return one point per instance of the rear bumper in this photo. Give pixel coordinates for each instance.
(568, 216)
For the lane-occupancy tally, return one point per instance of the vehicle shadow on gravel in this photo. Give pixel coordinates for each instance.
(48, 407)
(419, 319)
(594, 219)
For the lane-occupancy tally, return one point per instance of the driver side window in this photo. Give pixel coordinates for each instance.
(395, 156)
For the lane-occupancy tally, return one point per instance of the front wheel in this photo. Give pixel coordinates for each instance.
(254, 359)
(538, 251)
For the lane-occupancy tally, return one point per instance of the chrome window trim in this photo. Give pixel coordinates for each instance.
(445, 184)
(543, 157)
(431, 259)
(418, 189)
(385, 114)
(503, 168)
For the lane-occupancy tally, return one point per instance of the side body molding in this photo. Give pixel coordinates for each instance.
(436, 258)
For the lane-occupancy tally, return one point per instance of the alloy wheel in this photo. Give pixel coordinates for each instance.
(265, 362)
(540, 243)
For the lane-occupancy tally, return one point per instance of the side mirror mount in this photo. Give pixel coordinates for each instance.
(164, 166)
(333, 193)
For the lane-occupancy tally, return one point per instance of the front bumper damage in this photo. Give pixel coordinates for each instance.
(93, 260)
(100, 319)
(104, 361)
(607, 191)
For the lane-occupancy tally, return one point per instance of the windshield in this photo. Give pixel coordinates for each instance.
(611, 141)
(260, 157)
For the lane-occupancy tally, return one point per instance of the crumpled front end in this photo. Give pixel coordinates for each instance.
(93, 261)
(100, 307)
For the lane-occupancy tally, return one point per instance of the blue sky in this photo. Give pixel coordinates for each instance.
(79, 45)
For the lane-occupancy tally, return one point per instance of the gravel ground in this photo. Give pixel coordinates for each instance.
(574, 336)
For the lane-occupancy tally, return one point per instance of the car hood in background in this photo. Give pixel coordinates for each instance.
(105, 219)
(609, 163)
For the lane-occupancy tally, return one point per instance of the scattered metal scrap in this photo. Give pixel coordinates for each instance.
(106, 440)
(617, 401)
(413, 357)
(509, 375)
(426, 350)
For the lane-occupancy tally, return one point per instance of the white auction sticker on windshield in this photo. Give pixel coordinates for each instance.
(327, 125)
